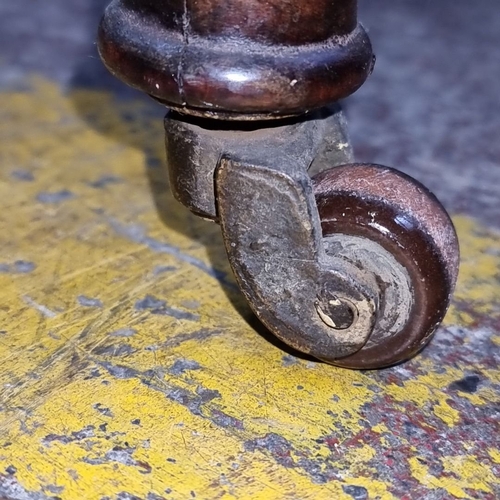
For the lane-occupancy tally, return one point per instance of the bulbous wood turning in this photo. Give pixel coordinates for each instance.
(235, 58)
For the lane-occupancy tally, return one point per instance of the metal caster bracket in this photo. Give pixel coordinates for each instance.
(340, 291)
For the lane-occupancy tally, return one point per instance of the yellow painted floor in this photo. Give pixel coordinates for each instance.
(131, 367)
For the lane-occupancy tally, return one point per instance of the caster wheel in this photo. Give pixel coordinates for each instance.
(390, 225)
(355, 265)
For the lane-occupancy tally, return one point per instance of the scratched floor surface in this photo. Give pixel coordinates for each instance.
(132, 367)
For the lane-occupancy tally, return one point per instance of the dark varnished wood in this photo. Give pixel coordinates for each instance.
(239, 57)
(277, 22)
(401, 215)
(293, 22)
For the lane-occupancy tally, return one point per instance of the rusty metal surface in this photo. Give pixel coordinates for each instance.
(276, 252)
(264, 200)
(195, 147)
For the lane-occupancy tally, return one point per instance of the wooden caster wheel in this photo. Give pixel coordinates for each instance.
(388, 224)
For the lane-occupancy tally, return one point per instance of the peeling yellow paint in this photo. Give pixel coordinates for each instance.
(421, 472)
(468, 473)
(480, 263)
(495, 455)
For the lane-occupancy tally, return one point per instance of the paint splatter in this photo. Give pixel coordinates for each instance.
(160, 307)
(85, 301)
(55, 197)
(104, 181)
